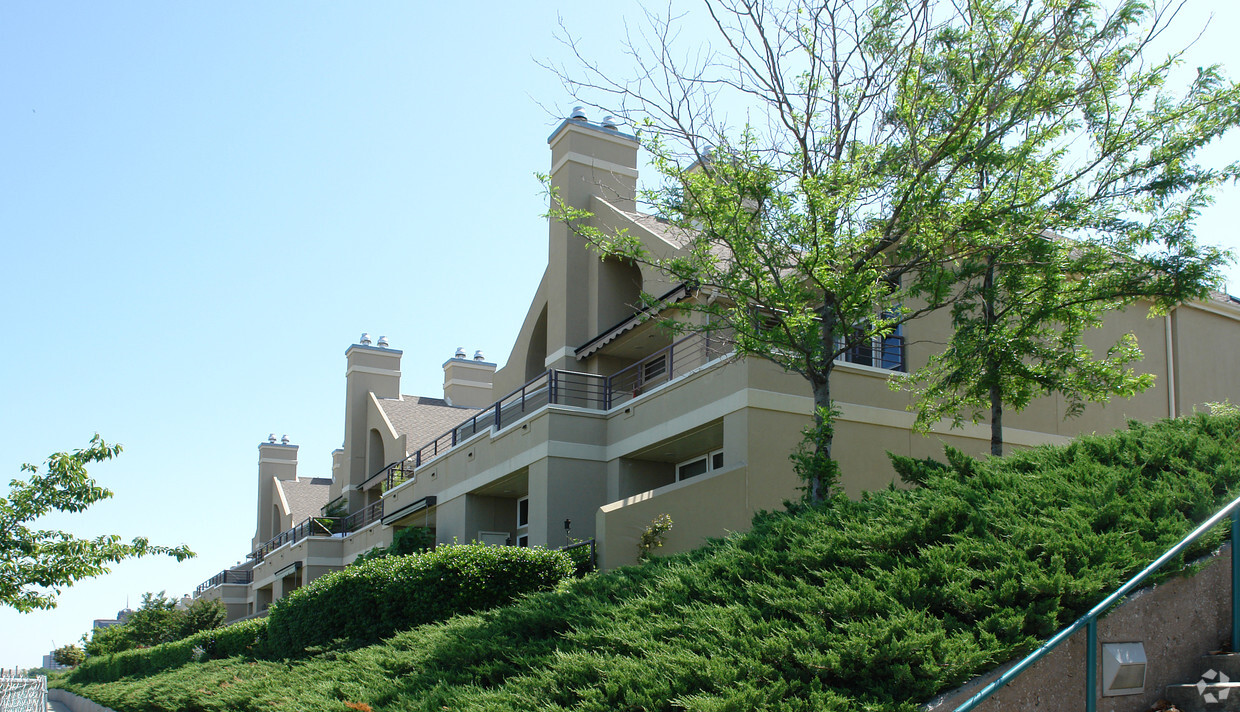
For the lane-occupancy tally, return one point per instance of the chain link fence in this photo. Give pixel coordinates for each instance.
(23, 694)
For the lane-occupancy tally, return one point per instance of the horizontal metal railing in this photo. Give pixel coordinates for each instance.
(573, 388)
(321, 526)
(362, 518)
(223, 577)
(312, 526)
(1089, 621)
(666, 364)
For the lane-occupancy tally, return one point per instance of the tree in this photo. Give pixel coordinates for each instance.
(201, 614)
(70, 655)
(889, 148)
(105, 641)
(35, 564)
(1033, 296)
(158, 620)
(1019, 331)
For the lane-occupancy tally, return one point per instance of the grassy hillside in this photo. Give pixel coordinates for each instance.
(876, 604)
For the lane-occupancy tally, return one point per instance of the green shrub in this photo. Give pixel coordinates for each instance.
(876, 604)
(239, 639)
(412, 540)
(159, 620)
(372, 600)
(583, 556)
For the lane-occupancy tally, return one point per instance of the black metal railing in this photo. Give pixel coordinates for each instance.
(223, 577)
(666, 364)
(313, 526)
(584, 555)
(571, 388)
(362, 518)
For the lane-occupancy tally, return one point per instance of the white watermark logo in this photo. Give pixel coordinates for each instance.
(1210, 677)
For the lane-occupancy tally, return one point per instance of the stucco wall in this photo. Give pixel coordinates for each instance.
(1178, 621)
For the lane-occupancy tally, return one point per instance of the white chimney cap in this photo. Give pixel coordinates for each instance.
(284, 440)
(579, 113)
(478, 355)
(383, 342)
(271, 438)
(610, 122)
(365, 340)
(460, 352)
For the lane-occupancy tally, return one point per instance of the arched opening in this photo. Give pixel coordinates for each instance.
(536, 354)
(619, 290)
(374, 454)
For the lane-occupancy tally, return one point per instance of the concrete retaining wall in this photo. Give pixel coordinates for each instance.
(1178, 621)
(73, 702)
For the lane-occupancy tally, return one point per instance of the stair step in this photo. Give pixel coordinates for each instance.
(1214, 697)
(1226, 663)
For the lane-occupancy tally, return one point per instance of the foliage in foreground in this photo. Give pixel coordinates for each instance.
(876, 604)
(377, 598)
(158, 620)
(36, 563)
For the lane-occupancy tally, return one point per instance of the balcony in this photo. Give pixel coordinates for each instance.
(569, 388)
(320, 526)
(224, 577)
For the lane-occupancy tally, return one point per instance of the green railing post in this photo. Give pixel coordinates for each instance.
(1235, 581)
(1091, 666)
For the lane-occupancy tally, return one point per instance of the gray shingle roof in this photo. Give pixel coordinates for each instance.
(423, 419)
(305, 497)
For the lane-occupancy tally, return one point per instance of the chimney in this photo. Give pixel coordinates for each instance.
(468, 382)
(276, 461)
(589, 162)
(369, 369)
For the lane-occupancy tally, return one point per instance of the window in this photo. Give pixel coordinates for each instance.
(700, 465)
(523, 512)
(523, 541)
(886, 352)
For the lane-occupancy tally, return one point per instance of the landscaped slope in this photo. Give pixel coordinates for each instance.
(877, 604)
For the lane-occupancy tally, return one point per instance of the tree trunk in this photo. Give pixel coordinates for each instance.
(992, 365)
(824, 436)
(824, 432)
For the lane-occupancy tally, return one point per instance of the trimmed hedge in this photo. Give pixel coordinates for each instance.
(377, 598)
(239, 639)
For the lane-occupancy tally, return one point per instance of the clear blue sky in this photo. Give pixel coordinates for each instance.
(203, 205)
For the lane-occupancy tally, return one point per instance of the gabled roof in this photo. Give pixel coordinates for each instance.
(305, 497)
(421, 418)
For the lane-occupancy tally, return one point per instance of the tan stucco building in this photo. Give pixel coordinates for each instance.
(600, 421)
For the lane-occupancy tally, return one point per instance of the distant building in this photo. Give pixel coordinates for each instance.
(121, 617)
(50, 663)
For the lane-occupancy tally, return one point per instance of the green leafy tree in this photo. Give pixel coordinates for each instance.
(201, 614)
(36, 563)
(156, 621)
(70, 655)
(1127, 195)
(890, 147)
(105, 641)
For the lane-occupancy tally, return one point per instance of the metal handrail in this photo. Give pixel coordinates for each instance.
(224, 577)
(312, 526)
(362, 517)
(561, 387)
(1089, 621)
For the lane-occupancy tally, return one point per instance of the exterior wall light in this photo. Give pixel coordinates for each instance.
(1123, 669)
